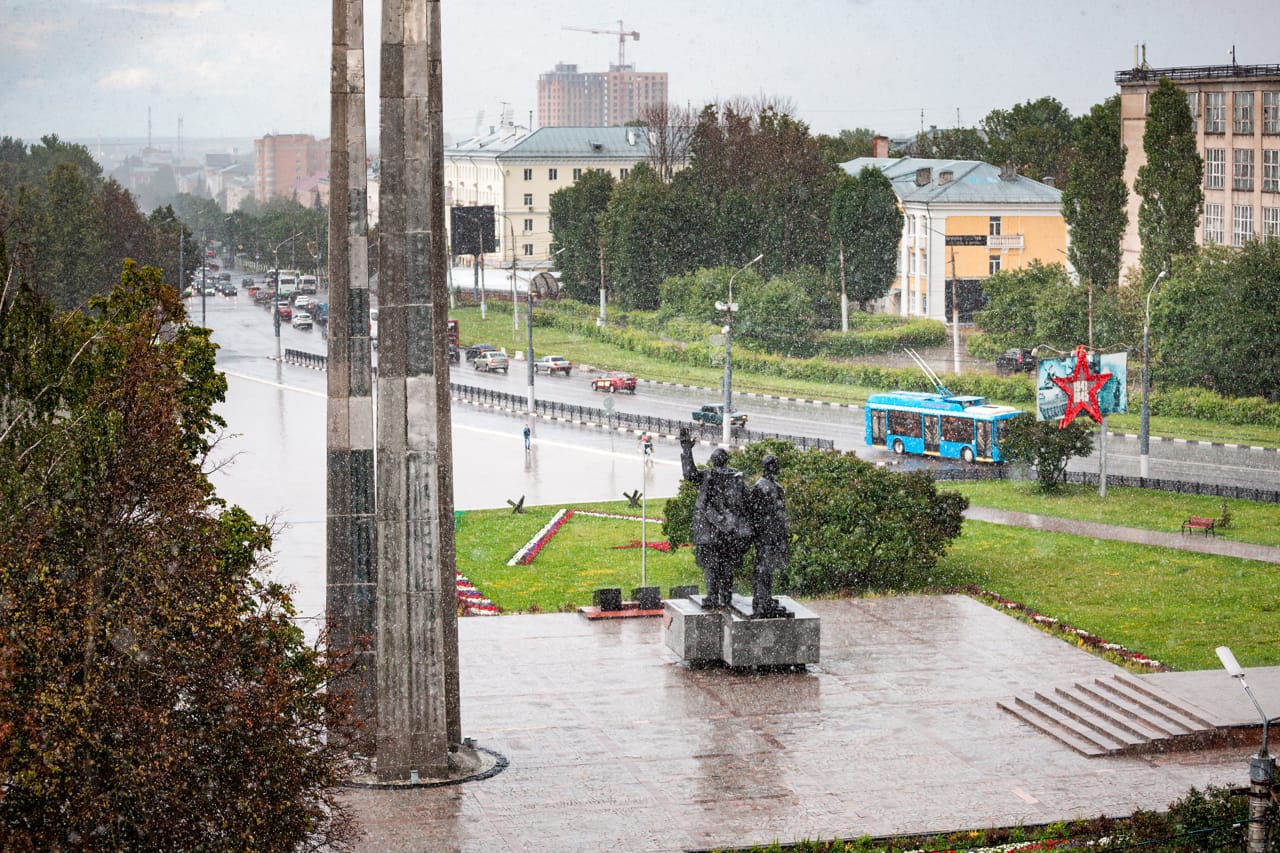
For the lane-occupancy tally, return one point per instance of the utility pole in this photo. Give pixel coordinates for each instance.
(955, 316)
(601, 321)
(844, 295)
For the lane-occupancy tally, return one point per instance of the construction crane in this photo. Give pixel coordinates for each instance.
(619, 32)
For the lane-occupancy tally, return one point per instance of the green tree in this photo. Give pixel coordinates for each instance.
(575, 215)
(636, 232)
(159, 694)
(774, 316)
(1014, 299)
(846, 145)
(866, 225)
(1169, 182)
(1035, 136)
(854, 526)
(960, 143)
(1094, 198)
(1045, 447)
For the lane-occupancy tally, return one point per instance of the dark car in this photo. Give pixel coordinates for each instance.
(475, 349)
(247, 281)
(1016, 361)
(228, 289)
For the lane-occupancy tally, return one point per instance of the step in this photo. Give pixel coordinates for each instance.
(1192, 713)
(1139, 705)
(1047, 719)
(1075, 704)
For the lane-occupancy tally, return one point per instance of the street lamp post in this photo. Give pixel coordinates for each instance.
(1262, 767)
(1144, 422)
(204, 273)
(728, 308)
(275, 303)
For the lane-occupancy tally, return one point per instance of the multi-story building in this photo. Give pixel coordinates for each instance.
(1236, 113)
(568, 97)
(283, 162)
(516, 171)
(963, 221)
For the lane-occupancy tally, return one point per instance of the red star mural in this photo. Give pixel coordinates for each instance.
(1082, 389)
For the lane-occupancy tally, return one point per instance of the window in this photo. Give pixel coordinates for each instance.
(1271, 112)
(1242, 103)
(1215, 168)
(1212, 224)
(622, 173)
(1215, 112)
(1271, 222)
(528, 174)
(1242, 224)
(1242, 169)
(1193, 105)
(911, 263)
(528, 225)
(993, 264)
(993, 227)
(528, 250)
(906, 424)
(957, 429)
(577, 173)
(553, 174)
(1271, 170)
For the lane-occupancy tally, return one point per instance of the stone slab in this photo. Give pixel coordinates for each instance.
(694, 634)
(748, 642)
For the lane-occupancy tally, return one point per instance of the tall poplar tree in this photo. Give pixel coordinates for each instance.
(866, 222)
(575, 228)
(1169, 183)
(1094, 199)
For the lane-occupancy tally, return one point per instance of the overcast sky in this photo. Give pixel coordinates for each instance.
(87, 69)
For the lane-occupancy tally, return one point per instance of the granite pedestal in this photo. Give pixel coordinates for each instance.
(730, 635)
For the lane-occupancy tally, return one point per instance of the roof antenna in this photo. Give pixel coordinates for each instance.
(928, 372)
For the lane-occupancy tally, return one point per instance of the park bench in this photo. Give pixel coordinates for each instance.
(1195, 522)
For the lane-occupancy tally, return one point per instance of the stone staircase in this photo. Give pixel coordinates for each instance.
(1110, 716)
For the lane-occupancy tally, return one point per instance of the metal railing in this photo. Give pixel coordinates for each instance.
(1090, 478)
(1197, 72)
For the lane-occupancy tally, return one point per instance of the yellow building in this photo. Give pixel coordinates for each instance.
(1235, 110)
(964, 220)
(516, 171)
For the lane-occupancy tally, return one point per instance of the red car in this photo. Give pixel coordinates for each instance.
(286, 312)
(614, 381)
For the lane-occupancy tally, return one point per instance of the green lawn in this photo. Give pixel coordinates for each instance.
(1256, 523)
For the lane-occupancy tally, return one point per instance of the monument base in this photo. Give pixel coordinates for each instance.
(731, 635)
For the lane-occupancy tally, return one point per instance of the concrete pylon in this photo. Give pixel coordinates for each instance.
(351, 578)
(417, 629)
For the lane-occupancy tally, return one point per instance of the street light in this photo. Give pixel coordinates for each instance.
(728, 308)
(275, 302)
(1144, 423)
(1262, 767)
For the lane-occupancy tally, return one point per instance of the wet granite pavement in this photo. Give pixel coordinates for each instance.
(614, 745)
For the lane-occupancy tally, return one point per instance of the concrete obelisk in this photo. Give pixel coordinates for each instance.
(350, 531)
(417, 629)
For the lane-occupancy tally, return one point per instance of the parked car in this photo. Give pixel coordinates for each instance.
(712, 414)
(286, 312)
(475, 349)
(491, 360)
(301, 320)
(550, 364)
(1016, 361)
(614, 380)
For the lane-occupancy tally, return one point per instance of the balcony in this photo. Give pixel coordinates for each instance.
(1004, 241)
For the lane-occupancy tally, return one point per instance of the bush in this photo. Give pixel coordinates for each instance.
(1046, 447)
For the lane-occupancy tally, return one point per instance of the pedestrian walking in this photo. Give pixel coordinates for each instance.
(527, 432)
(646, 446)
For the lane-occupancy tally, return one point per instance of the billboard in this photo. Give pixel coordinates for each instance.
(471, 230)
(1112, 397)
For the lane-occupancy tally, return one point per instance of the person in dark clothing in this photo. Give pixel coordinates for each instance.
(721, 526)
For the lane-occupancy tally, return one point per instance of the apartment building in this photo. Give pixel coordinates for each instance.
(284, 163)
(1236, 112)
(963, 221)
(568, 97)
(517, 170)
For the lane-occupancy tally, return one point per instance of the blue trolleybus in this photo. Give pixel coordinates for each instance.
(937, 424)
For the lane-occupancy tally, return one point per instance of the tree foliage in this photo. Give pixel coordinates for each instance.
(960, 143)
(1216, 321)
(854, 526)
(1094, 198)
(866, 225)
(846, 145)
(636, 232)
(1035, 136)
(1045, 447)
(1169, 182)
(575, 228)
(158, 694)
(1040, 306)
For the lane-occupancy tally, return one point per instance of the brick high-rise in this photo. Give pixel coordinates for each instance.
(568, 97)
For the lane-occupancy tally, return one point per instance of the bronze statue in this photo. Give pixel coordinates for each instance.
(721, 526)
(772, 536)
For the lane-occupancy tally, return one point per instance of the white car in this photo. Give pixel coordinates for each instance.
(301, 320)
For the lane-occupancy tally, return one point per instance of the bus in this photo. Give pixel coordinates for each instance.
(937, 424)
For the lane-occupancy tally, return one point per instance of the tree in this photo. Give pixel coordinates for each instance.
(669, 132)
(847, 145)
(1169, 182)
(774, 316)
(866, 224)
(1035, 136)
(636, 232)
(1013, 298)
(960, 143)
(1094, 198)
(159, 694)
(575, 228)
(1045, 447)
(854, 526)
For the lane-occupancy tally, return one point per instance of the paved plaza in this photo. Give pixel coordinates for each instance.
(615, 745)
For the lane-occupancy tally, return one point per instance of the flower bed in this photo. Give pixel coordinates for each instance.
(470, 601)
(525, 555)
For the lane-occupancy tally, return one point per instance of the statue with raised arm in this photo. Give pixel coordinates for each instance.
(767, 509)
(721, 526)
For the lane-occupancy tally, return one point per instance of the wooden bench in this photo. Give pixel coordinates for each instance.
(1195, 522)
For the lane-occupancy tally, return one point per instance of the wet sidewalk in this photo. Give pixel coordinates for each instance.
(615, 745)
(1184, 541)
